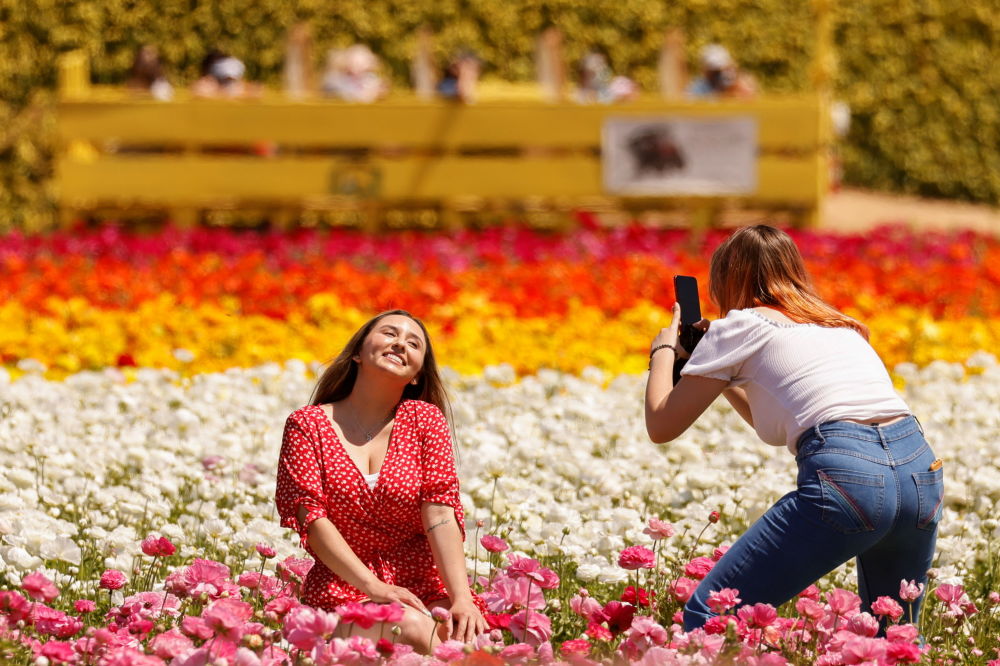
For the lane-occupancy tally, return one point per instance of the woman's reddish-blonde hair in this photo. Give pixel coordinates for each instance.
(761, 266)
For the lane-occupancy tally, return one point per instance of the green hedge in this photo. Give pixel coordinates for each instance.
(920, 77)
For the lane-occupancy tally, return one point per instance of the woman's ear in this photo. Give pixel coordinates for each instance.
(356, 358)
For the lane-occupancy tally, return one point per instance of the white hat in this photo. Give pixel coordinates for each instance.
(715, 56)
(228, 68)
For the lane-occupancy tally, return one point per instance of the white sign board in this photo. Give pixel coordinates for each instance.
(668, 155)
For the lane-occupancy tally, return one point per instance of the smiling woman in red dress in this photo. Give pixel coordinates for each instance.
(367, 478)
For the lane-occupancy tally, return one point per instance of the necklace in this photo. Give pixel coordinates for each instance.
(370, 434)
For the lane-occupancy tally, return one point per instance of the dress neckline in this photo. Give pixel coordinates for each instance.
(390, 448)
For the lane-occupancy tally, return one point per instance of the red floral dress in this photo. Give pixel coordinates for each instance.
(381, 525)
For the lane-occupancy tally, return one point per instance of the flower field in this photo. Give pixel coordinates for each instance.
(146, 379)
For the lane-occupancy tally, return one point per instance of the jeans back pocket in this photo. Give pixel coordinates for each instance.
(852, 501)
(930, 497)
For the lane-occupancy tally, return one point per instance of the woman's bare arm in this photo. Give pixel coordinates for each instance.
(445, 538)
(334, 552)
(737, 397)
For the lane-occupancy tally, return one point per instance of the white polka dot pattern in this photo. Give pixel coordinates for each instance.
(382, 525)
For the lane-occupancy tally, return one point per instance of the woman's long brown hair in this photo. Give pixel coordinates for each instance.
(337, 381)
(761, 266)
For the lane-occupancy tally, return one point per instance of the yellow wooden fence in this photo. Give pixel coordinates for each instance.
(374, 162)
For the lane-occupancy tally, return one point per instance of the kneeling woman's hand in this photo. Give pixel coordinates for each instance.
(383, 593)
(466, 620)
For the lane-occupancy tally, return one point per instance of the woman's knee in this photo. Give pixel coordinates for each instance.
(416, 628)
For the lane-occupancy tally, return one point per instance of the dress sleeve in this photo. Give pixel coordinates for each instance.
(726, 346)
(299, 480)
(439, 477)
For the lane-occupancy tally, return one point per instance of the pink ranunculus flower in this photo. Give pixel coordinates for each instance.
(158, 546)
(450, 651)
(683, 588)
(440, 614)
(888, 607)
(506, 594)
(718, 624)
(151, 605)
(83, 606)
(246, 657)
(59, 652)
(910, 591)
(266, 551)
(294, 569)
(810, 609)
(575, 646)
(493, 544)
(531, 627)
(268, 587)
(226, 618)
(14, 606)
(276, 609)
(52, 622)
(723, 600)
(363, 647)
(758, 616)
(306, 627)
(719, 552)
(956, 599)
(353, 612)
(863, 624)
(644, 634)
(518, 653)
(811, 592)
(385, 612)
(903, 653)
(201, 577)
(863, 650)
(636, 557)
(699, 567)
(39, 587)
(843, 603)
(901, 633)
(170, 644)
(530, 568)
(131, 656)
(659, 529)
(196, 627)
(584, 606)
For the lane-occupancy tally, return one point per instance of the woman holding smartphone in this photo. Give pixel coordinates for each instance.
(804, 376)
(366, 476)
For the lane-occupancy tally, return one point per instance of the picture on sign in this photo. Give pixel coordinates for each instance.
(677, 156)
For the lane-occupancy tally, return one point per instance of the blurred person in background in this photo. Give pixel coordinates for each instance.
(222, 76)
(460, 78)
(598, 83)
(720, 76)
(367, 477)
(353, 75)
(146, 74)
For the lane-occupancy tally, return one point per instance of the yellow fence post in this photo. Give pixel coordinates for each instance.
(74, 75)
(823, 68)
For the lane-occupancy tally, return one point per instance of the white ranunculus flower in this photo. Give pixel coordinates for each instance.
(61, 548)
(21, 559)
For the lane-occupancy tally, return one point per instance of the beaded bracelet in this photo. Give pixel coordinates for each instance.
(659, 347)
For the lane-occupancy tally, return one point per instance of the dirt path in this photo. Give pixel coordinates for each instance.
(857, 210)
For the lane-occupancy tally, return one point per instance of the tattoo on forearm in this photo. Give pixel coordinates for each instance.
(443, 522)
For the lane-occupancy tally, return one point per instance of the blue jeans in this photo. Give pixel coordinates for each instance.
(863, 491)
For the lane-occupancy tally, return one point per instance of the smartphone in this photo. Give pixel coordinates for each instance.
(686, 294)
